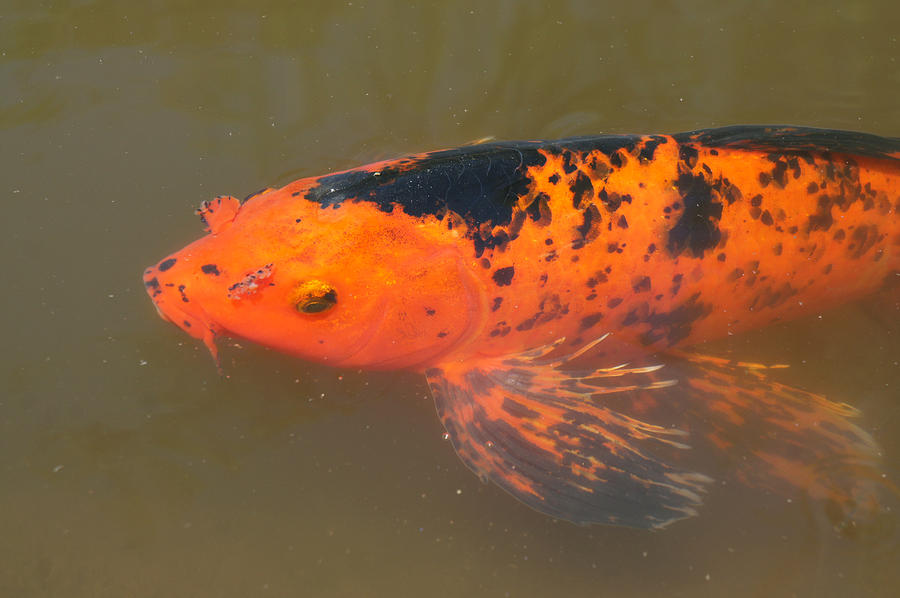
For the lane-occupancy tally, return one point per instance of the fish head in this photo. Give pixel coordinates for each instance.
(349, 284)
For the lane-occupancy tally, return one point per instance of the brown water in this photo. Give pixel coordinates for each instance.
(128, 467)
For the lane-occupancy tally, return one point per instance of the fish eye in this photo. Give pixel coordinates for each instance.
(314, 296)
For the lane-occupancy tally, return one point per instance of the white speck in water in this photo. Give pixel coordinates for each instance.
(58, 468)
(142, 362)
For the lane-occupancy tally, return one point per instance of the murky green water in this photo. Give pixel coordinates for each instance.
(128, 467)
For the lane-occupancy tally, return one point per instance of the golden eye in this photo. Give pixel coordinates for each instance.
(314, 296)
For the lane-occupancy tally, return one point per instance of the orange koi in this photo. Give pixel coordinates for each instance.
(549, 291)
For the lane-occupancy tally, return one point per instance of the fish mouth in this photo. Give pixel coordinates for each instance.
(168, 299)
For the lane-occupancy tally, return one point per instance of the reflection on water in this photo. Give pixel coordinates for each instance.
(131, 468)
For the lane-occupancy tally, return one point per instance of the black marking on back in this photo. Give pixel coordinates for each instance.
(503, 276)
(794, 140)
(698, 226)
(480, 183)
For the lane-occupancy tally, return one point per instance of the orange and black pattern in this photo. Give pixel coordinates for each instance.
(470, 264)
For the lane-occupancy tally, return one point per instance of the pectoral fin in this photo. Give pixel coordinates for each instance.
(219, 213)
(534, 429)
(625, 445)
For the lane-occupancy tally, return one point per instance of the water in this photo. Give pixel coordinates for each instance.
(129, 467)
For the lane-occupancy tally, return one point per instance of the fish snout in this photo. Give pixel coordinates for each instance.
(170, 297)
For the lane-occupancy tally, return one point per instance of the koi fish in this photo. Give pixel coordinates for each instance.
(550, 291)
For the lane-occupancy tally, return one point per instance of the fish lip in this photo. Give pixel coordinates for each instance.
(196, 322)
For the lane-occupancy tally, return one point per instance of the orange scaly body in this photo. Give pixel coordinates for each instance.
(497, 268)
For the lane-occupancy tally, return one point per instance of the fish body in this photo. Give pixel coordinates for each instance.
(537, 283)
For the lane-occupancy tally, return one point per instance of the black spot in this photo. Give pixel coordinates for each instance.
(777, 249)
(688, 155)
(497, 302)
(186, 323)
(295, 194)
(589, 321)
(822, 219)
(650, 146)
(616, 159)
(640, 284)
(614, 302)
(500, 329)
(598, 278)
(735, 274)
(568, 166)
(676, 283)
(539, 209)
(209, 269)
(442, 334)
(153, 285)
(429, 311)
(756, 201)
(184, 298)
(779, 173)
(553, 179)
(766, 218)
(588, 231)
(503, 276)
(166, 264)
(582, 190)
(697, 228)
(622, 223)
